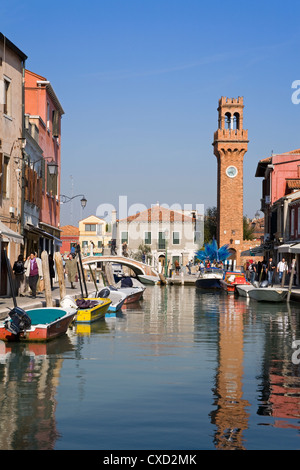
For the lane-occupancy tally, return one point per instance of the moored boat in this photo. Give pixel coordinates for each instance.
(117, 298)
(147, 279)
(91, 309)
(209, 278)
(39, 324)
(268, 294)
(231, 280)
(133, 294)
(243, 289)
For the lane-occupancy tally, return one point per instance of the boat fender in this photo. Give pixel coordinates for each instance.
(68, 302)
(264, 284)
(19, 321)
(104, 293)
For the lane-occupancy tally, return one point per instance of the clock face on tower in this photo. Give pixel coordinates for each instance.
(231, 171)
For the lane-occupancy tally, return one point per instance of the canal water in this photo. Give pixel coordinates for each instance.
(184, 369)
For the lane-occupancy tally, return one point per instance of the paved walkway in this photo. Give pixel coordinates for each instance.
(6, 303)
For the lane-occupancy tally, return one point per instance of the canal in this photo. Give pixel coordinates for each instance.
(183, 369)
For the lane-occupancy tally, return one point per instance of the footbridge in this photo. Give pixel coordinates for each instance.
(138, 267)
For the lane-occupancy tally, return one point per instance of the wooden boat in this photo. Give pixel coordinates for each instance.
(210, 278)
(243, 289)
(44, 324)
(147, 279)
(232, 279)
(94, 312)
(268, 294)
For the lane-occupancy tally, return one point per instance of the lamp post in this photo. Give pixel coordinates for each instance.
(64, 199)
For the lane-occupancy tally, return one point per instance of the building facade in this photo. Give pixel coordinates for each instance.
(169, 236)
(94, 236)
(12, 66)
(44, 111)
(280, 203)
(69, 237)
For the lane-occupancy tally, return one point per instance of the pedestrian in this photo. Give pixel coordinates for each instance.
(270, 271)
(34, 271)
(92, 246)
(51, 270)
(252, 270)
(281, 268)
(71, 269)
(177, 267)
(19, 271)
(258, 270)
(189, 265)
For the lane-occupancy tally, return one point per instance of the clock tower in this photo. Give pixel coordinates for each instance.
(230, 145)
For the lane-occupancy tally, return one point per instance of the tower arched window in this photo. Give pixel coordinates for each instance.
(236, 121)
(227, 120)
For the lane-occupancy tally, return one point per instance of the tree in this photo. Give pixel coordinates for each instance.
(248, 229)
(210, 224)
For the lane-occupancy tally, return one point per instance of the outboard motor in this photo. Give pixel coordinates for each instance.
(19, 321)
(103, 293)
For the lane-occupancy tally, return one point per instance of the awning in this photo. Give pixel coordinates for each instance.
(295, 248)
(286, 248)
(255, 251)
(9, 234)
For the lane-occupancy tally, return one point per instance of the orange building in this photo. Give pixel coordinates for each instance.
(43, 109)
(69, 237)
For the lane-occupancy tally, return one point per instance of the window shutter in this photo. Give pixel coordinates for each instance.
(55, 124)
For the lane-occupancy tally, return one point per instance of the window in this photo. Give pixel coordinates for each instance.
(161, 241)
(90, 227)
(48, 115)
(176, 238)
(51, 183)
(7, 97)
(124, 237)
(147, 238)
(292, 221)
(4, 179)
(99, 244)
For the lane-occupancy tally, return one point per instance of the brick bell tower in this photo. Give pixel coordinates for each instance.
(230, 145)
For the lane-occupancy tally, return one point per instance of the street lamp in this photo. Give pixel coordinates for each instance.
(64, 199)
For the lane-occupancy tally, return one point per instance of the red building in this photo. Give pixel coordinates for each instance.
(44, 110)
(69, 237)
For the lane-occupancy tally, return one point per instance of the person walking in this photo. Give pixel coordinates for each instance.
(270, 271)
(281, 268)
(71, 269)
(34, 271)
(19, 271)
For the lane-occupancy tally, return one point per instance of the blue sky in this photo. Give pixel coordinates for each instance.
(140, 81)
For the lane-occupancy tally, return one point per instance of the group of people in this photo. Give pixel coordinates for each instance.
(267, 270)
(30, 271)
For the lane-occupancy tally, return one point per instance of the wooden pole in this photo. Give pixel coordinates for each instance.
(46, 276)
(79, 277)
(92, 276)
(291, 279)
(60, 274)
(81, 269)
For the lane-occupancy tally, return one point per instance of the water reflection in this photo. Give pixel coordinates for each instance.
(181, 369)
(29, 376)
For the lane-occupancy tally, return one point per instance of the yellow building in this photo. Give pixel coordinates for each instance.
(94, 236)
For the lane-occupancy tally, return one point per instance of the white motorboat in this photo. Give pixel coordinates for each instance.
(244, 289)
(117, 298)
(268, 294)
(147, 279)
(210, 278)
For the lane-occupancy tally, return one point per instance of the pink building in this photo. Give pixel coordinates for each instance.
(43, 109)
